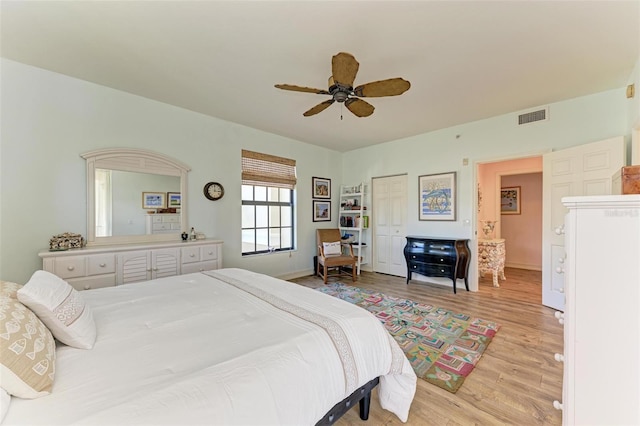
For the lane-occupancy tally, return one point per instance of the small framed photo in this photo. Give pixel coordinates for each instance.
(437, 196)
(321, 211)
(321, 187)
(154, 200)
(174, 200)
(510, 200)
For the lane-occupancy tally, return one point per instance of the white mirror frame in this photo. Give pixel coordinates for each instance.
(132, 160)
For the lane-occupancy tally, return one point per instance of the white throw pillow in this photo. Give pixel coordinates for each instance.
(27, 349)
(332, 248)
(61, 308)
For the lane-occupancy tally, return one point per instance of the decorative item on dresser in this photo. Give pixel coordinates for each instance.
(438, 257)
(491, 258)
(602, 304)
(108, 266)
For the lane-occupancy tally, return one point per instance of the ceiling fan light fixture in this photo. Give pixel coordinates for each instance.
(344, 69)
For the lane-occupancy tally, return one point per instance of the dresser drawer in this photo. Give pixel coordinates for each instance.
(430, 258)
(209, 252)
(199, 267)
(190, 254)
(431, 270)
(161, 226)
(103, 264)
(70, 267)
(91, 283)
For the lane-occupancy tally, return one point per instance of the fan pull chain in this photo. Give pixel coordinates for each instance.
(341, 110)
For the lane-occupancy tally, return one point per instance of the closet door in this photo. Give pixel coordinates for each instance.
(389, 224)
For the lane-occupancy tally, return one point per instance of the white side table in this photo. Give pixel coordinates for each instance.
(491, 256)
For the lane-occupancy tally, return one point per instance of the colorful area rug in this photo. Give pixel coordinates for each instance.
(442, 346)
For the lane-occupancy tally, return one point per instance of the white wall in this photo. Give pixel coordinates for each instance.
(572, 122)
(49, 119)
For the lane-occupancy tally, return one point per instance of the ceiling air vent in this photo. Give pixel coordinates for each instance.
(533, 116)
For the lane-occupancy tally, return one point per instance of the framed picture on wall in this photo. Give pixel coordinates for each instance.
(321, 187)
(437, 196)
(321, 211)
(154, 200)
(174, 199)
(510, 200)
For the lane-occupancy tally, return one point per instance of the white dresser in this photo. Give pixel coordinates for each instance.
(601, 382)
(106, 266)
(163, 223)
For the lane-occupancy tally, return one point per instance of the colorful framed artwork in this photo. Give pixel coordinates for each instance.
(321, 211)
(321, 187)
(437, 196)
(154, 200)
(510, 200)
(174, 200)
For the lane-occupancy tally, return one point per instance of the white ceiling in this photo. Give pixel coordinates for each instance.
(466, 60)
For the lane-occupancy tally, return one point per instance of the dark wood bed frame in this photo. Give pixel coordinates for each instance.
(361, 395)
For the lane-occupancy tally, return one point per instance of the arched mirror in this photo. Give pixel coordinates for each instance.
(133, 196)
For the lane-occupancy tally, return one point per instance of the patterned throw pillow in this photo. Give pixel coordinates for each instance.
(332, 249)
(27, 348)
(61, 308)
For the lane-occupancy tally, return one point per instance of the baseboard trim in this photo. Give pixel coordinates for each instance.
(523, 266)
(296, 274)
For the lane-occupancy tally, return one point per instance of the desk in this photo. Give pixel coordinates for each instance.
(491, 256)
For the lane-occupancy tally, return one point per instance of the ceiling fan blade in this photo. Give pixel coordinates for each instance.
(390, 87)
(319, 108)
(359, 107)
(344, 68)
(301, 89)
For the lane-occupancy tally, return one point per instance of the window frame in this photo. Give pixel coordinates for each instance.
(268, 204)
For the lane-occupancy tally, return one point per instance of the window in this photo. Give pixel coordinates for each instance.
(267, 203)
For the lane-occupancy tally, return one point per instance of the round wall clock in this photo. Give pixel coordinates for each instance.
(213, 191)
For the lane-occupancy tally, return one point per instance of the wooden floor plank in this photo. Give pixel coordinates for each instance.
(517, 377)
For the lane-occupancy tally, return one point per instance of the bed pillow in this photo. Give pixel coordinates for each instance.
(332, 248)
(27, 348)
(61, 308)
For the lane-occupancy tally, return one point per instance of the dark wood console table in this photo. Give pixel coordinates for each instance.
(438, 257)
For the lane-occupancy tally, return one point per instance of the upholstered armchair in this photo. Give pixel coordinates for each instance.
(333, 255)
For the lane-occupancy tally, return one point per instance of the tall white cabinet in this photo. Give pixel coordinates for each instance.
(354, 219)
(601, 382)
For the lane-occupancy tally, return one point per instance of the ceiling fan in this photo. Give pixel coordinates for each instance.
(344, 68)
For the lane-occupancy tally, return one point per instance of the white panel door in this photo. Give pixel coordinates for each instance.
(389, 224)
(581, 170)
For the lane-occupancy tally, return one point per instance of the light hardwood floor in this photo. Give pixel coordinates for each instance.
(517, 378)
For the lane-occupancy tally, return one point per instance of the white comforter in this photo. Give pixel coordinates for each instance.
(195, 349)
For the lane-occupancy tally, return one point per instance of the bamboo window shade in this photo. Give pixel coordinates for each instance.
(268, 170)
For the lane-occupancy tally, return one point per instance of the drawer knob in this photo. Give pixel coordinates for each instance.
(559, 230)
(560, 270)
(210, 253)
(102, 265)
(87, 287)
(441, 260)
(192, 255)
(415, 266)
(558, 357)
(557, 405)
(71, 268)
(559, 315)
(413, 257)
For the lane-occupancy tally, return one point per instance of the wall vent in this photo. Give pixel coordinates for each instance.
(533, 116)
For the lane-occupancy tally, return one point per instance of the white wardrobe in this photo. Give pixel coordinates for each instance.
(601, 383)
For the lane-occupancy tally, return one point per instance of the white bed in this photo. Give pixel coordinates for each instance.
(222, 347)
